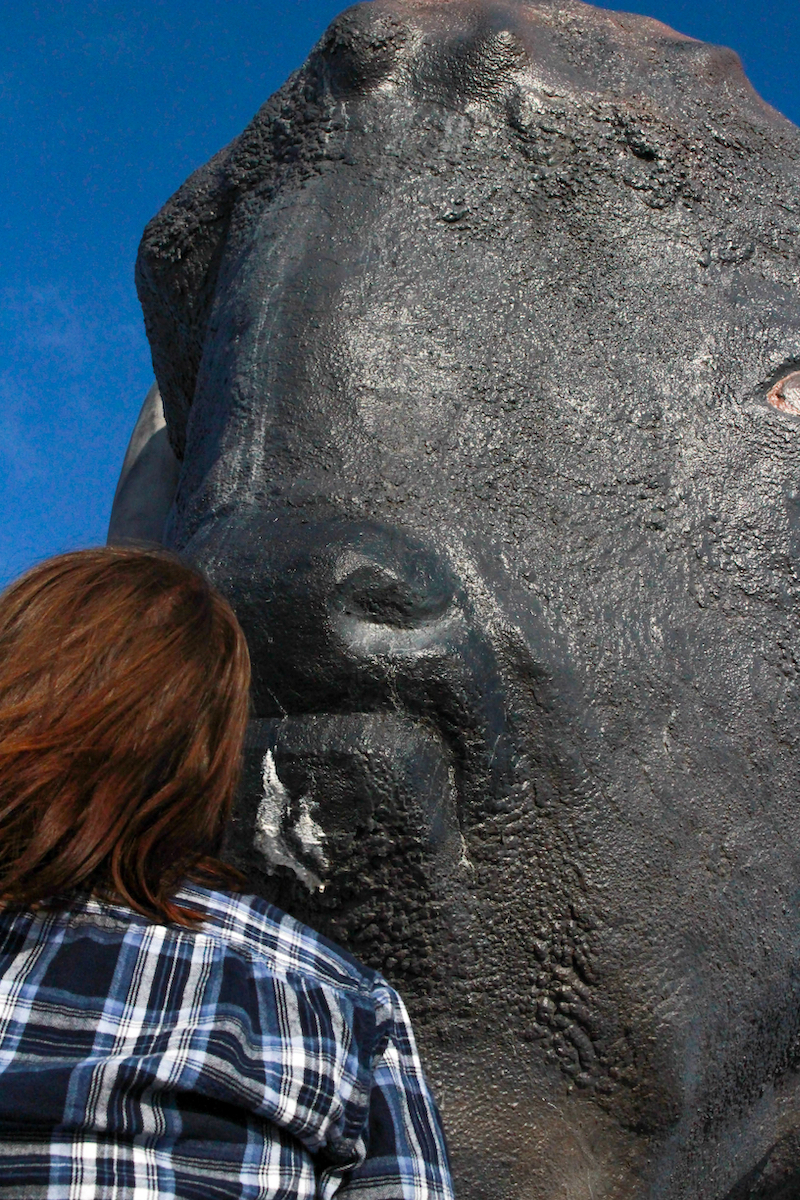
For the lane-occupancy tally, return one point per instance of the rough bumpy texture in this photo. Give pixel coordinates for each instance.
(470, 346)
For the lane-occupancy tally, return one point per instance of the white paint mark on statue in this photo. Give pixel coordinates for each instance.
(281, 821)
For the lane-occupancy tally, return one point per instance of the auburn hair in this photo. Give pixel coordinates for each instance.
(124, 695)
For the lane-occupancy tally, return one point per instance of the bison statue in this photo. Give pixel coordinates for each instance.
(479, 353)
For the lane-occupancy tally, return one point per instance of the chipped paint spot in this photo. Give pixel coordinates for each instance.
(280, 822)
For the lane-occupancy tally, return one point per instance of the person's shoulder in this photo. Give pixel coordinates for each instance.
(233, 926)
(251, 926)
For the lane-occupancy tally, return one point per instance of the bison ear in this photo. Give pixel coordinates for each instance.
(176, 275)
(147, 481)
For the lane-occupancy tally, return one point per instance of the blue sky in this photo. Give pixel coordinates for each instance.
(105, 108)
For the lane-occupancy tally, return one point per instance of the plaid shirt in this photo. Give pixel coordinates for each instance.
(250, 1058)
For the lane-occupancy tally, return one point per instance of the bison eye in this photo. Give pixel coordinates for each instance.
(785, 395)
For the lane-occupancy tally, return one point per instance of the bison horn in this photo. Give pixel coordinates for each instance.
(147, 481)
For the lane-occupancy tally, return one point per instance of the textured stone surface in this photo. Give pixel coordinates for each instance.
(472, 346)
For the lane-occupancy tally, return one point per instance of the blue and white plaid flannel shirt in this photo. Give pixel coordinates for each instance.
(250, 1059)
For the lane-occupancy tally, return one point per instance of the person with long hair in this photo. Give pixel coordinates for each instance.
(162, 1033)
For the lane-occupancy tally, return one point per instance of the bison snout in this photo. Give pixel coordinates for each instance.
(333, 610)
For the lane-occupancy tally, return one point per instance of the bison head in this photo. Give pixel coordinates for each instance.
(480, 351)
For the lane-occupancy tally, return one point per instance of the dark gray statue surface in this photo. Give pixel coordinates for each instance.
(480, 348)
